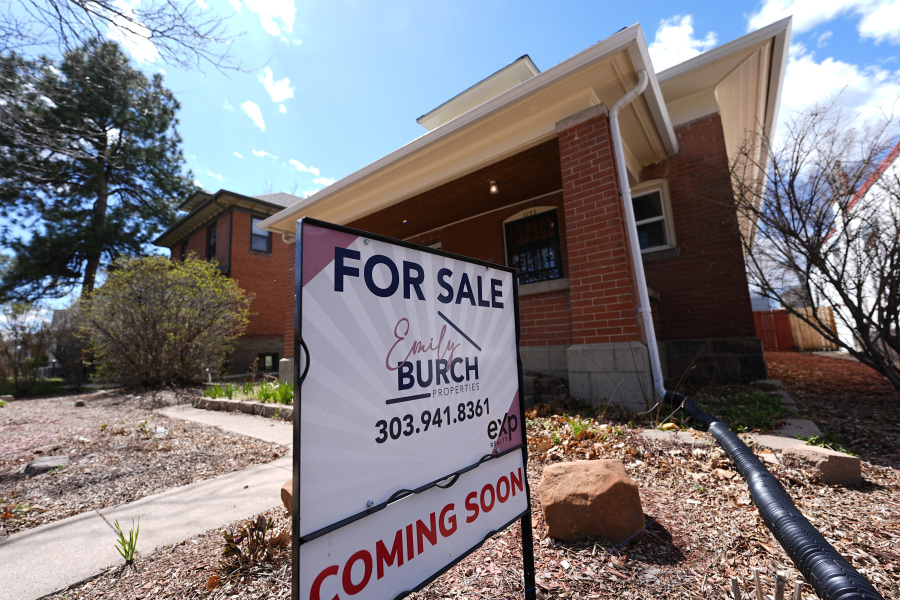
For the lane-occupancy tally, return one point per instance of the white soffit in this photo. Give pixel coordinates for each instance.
(517, 119)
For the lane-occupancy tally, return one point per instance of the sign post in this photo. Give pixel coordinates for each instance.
(409, 432)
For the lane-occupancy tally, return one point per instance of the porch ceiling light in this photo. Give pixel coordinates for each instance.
(494, 188)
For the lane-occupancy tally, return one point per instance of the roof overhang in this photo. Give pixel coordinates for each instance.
(741, 81)
(519, 118)
(205, 208)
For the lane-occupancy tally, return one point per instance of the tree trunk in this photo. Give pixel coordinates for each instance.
(93, 252)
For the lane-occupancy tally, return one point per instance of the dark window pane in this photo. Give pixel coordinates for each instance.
(211, 241)
(652, 234)
(533, 247)
(260, 239)
(647, 206)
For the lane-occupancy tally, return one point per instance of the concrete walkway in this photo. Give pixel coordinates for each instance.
(49, 558)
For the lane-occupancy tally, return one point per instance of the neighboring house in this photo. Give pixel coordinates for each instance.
(225, 226)
(520, 170)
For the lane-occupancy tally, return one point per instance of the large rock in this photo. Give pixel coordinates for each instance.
(590, 498)
(46, 463)
(287, 495)
(833, 468)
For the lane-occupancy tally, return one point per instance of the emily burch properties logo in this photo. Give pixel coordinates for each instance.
(443, 366)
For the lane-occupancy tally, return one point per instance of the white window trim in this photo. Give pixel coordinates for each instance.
(662, 186)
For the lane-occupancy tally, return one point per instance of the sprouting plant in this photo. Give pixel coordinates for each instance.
(2, 403)
(56, 469)
(213, 391)
(143, 429)
(826, 440)
(229, 391)
(247, 388)
(104, 426)
(248, 546)
(254, 370)
(128, 546)
(284, 393)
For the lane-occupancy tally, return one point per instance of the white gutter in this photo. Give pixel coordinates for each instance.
(631, 231)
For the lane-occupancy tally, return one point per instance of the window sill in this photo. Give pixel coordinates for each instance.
(543, 287)
(259, 252)
(661, 254)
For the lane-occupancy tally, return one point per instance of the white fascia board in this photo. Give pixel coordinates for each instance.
(629, 40)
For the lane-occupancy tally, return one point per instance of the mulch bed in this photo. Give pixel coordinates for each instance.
(120, 450)
(702, 529)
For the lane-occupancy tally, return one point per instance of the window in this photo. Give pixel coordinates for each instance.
(532, 245)
(268, 361)
(260, 239)
(211, 241)
(184, 250)
(652, 216)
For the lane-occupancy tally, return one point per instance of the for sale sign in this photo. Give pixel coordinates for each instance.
(412, 370)
(409, 432)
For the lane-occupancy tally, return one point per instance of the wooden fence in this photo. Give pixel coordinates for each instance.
(780, 330)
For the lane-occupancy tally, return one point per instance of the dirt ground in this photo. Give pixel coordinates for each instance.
(702, 530)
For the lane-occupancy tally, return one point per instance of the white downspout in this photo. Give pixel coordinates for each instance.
(631, 231)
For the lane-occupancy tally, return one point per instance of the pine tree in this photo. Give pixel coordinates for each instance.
(90, 166)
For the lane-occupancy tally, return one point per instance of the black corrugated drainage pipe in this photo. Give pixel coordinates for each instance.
(832, 577)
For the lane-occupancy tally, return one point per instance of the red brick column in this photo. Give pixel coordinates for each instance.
(289, 300)
(601, 280)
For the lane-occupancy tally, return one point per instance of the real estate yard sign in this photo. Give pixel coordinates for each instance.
(409, 433)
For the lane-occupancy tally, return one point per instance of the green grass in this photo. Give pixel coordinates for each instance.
(746, 410)
(43, 387)
(282, 393)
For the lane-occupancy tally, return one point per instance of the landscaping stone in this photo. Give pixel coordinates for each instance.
(590, 498)
(46, 463)
(798, 427)
(7, 398)
(833, 468)
(80, 403)
(287, 495)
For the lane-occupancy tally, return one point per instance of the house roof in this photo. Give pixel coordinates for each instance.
(520, 118)
(876, 175)
(203, 208)
(740, 80)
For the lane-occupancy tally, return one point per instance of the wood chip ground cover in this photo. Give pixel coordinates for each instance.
(120, 450)
(702, 529)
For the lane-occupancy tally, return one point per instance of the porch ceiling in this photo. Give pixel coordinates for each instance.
(533, 172)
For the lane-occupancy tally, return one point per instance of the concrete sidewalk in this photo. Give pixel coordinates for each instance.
(49, 558)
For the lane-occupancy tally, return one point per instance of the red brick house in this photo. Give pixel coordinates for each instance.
(541, 171)
(225, 226)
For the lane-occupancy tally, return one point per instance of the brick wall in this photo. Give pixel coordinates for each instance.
(287, 306)
(600, 275)
(263, 274)
(702, 285)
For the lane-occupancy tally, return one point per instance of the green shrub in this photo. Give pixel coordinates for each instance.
(157, 322)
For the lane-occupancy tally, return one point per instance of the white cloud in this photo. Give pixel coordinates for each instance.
(870, 92)
(282, 108)
(198, 183)
(303, 168)
(877, 18)
(252, 110)
(215, 175)
(236, 5)
(323, 180)
(279, 90)
(126, 29)
(263, 154)
(882, 24)
(823, 39)
(202, 4)
(675, 43)
(228, 105)
(238, 154)
(270, 11)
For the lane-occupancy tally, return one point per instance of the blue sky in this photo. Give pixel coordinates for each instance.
(334, 85)
(341, 82)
